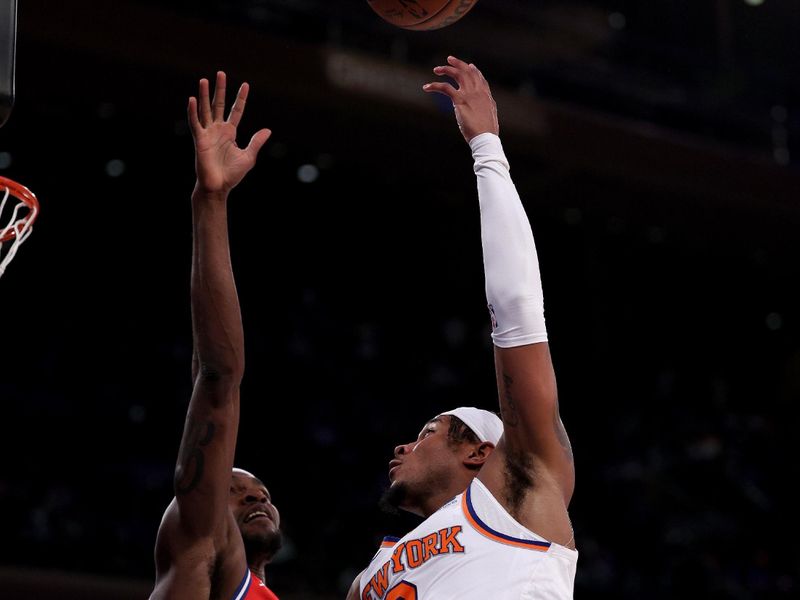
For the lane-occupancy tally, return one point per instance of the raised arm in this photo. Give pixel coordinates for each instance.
(203, 471)
(534, 454)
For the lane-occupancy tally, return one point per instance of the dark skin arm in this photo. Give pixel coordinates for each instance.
(198, 531)
(355, 588)
(531, 471)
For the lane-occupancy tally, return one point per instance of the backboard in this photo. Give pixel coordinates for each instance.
(8, 47)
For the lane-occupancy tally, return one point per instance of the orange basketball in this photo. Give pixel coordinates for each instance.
(421, 15)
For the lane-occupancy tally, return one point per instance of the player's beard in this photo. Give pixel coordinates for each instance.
(412, 496)
(393, 497)
(266, 544)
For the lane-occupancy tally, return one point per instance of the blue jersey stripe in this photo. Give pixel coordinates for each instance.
(242, 589)
(502, 536)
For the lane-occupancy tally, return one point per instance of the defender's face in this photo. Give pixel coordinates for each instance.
(252, 507)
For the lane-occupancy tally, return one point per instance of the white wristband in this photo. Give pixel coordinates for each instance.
(511, 266)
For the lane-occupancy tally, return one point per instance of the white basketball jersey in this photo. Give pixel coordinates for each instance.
(470, 549)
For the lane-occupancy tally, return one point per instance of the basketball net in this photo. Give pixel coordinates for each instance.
(18, 211)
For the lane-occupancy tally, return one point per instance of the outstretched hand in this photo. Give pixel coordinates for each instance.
(220, 163)
(476, 111)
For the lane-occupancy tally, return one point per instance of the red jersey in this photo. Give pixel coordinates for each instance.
(252, 588)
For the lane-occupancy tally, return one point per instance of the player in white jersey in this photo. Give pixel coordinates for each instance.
(494, 495)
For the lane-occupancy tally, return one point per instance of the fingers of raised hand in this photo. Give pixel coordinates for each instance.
(457, 63)
(257, 141)
(469, 72)
(218, 103)
(204, 110)
(467, 76)
(450, 72)
(191, 110)
(442, 88)
(238, 106)
(204, 105)
(473, 78)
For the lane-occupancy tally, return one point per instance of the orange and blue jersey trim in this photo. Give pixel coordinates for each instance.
(389, 541)
(484, 529)
(243, 586)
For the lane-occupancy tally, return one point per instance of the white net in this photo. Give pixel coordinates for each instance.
(16, 224)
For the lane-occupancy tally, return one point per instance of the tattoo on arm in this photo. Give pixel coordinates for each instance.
(508, 408)
(561, 433)
(191, 461)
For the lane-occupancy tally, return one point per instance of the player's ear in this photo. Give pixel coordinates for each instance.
(478, 454)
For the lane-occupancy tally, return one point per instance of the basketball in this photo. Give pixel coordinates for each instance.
(421, 15)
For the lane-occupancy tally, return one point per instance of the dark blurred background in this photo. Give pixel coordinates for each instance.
(655, 146)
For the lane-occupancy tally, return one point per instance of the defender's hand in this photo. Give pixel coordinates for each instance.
(219, 162)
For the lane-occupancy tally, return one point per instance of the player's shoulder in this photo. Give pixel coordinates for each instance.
(253, 588)
(178, 546)
(354, 593)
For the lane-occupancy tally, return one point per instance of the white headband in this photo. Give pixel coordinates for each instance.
(239, 471)
(486, 425)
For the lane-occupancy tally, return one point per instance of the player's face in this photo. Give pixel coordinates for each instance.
(425, 465)
(252, 507)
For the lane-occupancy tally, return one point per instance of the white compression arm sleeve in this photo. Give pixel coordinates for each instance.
(513, 283)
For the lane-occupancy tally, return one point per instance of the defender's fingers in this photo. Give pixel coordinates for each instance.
(257, 141)
(237, 110)
(218, 104)
(191, 111)
(204, 105)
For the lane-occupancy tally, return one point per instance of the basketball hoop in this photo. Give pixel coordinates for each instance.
(18, 210)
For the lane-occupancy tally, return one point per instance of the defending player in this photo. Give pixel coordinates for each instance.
(221, 529)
